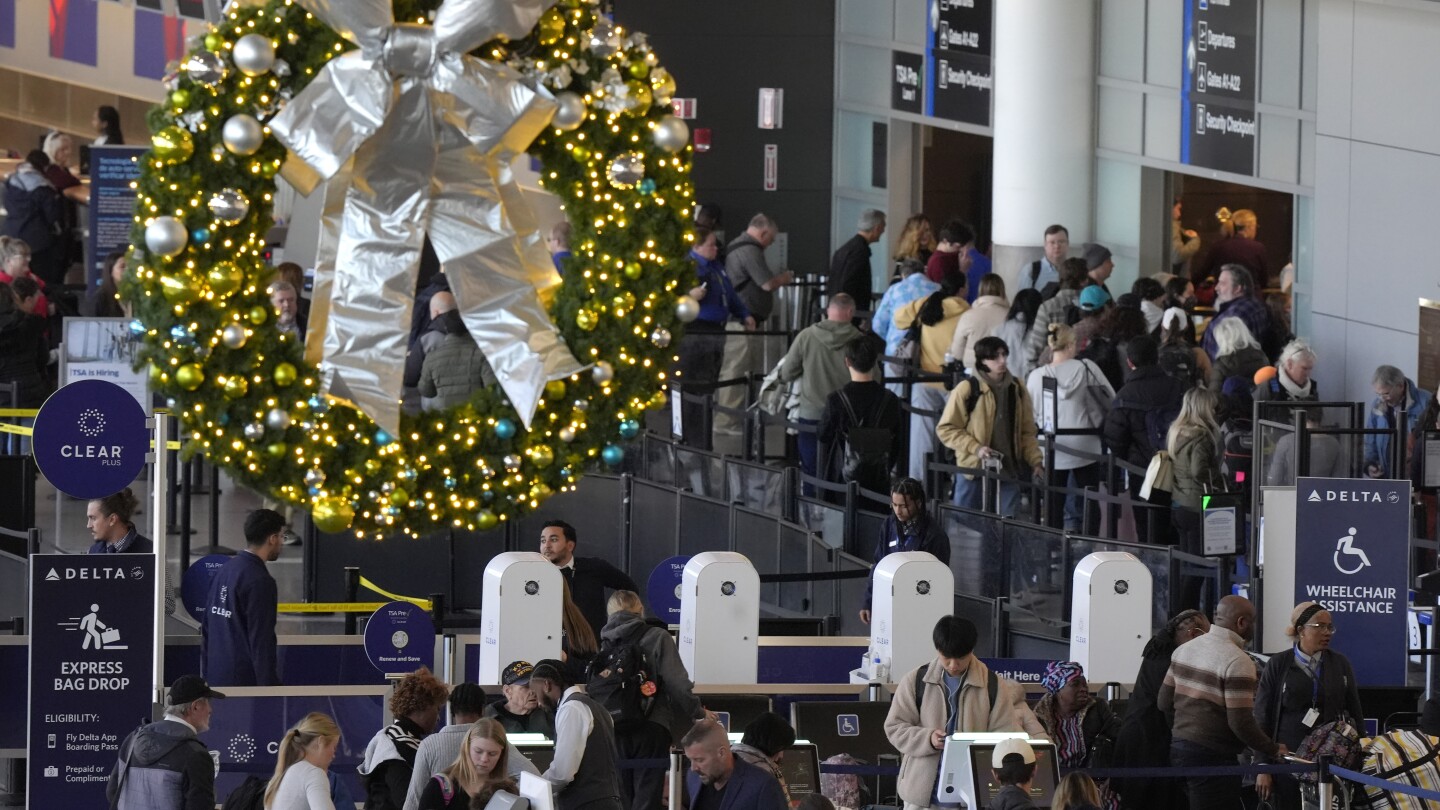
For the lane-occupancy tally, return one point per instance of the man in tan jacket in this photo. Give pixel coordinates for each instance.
(955, 692)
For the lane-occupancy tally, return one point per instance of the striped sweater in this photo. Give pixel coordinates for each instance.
(1210, 692)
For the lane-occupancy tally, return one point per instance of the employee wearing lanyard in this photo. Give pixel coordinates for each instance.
(1302, 689)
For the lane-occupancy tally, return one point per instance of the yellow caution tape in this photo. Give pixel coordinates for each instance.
(423, 604)
(330, 607)
(8, 428)
(19, 411)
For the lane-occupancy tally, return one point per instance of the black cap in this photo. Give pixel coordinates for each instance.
(518, 673)
(551, 670)
(190, 687)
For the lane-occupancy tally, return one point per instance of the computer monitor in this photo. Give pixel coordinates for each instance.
(965, 772)
(801, 766)
(537, 748)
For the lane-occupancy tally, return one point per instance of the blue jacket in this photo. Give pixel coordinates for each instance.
(237, 641)
(721, 302)
(1377, 448)
(749, 788)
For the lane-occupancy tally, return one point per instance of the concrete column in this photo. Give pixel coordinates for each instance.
(1044, 127)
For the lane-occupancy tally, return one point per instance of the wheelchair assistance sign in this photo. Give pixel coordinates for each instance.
(1352, 556)
(92, 640)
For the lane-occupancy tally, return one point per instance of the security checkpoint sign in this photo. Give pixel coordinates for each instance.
(90, 439)
(92, 639)
(664, 588)
(400, 638)
(195, 583)
(1352, 550)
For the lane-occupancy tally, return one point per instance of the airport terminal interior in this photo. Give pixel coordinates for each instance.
(851, 338)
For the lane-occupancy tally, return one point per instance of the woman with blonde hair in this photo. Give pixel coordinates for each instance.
(1193, 444)
(916, 243)
(306, 751)
(481, 770)
(1077, 791)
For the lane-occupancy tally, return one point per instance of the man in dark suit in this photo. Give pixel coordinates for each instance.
(718, 780)
(588, 576)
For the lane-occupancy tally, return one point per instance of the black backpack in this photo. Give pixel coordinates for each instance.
(1178, 362)
(1237, 452)
(866, 448)
(250, 795)
(623, 681)
(1157, 421)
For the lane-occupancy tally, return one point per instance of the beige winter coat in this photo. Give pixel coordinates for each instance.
(980, 320)
(910, 731)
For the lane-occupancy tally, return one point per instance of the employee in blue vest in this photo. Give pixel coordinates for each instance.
(237, 641)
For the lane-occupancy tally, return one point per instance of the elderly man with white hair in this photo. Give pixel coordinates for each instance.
(850, 271)
(1292, 381)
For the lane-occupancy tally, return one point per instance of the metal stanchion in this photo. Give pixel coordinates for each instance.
(677, 782)
(352, 591)
(160, 490)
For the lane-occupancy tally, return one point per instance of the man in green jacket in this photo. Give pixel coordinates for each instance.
(817, 360)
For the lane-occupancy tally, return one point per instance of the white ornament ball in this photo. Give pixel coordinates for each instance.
(627, 170)
(277, 419)
(687, 309)
(233, 336)
(166, 236)
(570, 111)
(254, 431)
(660, 337)
(253, 54)
(671, 134)
(567, 434)
(243, 134)
(603, 372)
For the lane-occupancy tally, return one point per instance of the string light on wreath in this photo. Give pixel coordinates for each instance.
(244, 394)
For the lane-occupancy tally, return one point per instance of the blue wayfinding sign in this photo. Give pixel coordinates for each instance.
(663, 588)
(112, 204)
(195, 583)
(400, 638)
(90, 439)
(92, 639)
(1352, 544)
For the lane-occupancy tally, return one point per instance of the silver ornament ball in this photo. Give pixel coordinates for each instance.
(206, 68)
(567, 434)
(253, 54)
(166, 236)
(233, 336)
(512, 463)
(229, 205)
(602, 373)
(660, 337)
(277, 419)
(687, 309)
(671, 134)
(243, 135)
(627, 169)
(581, 405)
(254, 431)
(314, 477)
(570, 111)
(603, 40)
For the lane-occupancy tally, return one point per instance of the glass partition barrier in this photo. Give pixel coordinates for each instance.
(703, 473)
(794, 553)
(756, 537)
(1038, 583)
(976, 553)
(755, 486)
(704, 525)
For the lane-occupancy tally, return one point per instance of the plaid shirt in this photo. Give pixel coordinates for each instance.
(1390, 756)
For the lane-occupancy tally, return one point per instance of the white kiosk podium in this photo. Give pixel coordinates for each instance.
(520, 614)
(965, 777)
(720, 618)
(1110, 614)
(913, 590)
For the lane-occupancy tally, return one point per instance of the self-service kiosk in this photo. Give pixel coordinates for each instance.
(965, 770)
(912, 591)
(520, 614)
(1110, 615)
(720, 618)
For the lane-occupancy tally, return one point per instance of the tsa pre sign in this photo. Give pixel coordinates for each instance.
(1352, 549)
(92, 637)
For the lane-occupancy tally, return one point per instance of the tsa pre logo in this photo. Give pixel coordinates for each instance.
(90, 439)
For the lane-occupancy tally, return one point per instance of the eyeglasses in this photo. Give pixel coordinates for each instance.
(1324, 628)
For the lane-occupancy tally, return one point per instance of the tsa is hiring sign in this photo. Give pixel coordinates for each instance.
(92, 639)
(90, 439)
(1352, 541)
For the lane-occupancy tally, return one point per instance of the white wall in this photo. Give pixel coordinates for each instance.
(1377, 169)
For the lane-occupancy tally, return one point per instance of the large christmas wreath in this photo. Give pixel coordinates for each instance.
(242, 391)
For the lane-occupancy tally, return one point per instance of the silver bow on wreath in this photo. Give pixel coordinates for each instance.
(416, 138)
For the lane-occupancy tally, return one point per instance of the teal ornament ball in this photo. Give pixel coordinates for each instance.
(504, 429)
(612, 455)
(629, 429)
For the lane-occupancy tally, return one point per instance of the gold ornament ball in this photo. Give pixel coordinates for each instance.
(639, 69)
(658, 401)
(177, 290)
(662, 83)
(543, 456)
(157, 375)
(587, 320)
(276, 450)
(399, 497)
(285, 374)
(236, 386)
(180, 97)
(485, 520)
(259, 315)
(625, 301)
(580, 153)
(225, 278)
(214, 42)
(539, 491)
(190, 376)
(555, 389)
(372, 465)
(551, 27)
(633, 270)
(640, 98)
(332, 514)
(173, 144)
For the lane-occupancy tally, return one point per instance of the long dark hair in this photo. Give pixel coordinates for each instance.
(110, 124)
(933, 310)
(1027, 302)
(107, 301)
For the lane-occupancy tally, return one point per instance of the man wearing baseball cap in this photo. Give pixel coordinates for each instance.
(520, 713)
(164, 766)
(1013, 764)
(584, 769)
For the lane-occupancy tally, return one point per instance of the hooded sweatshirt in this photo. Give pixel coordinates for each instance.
(1084, 397)
(817, 360)
(678, 708)
(389, 762)
(163, 766)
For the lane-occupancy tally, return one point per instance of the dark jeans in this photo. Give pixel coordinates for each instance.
(1163, 534)
(642, 789)
(808, 443)
(1189, 525)
(1082, 477)
(1206, 792)
(701, 352)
